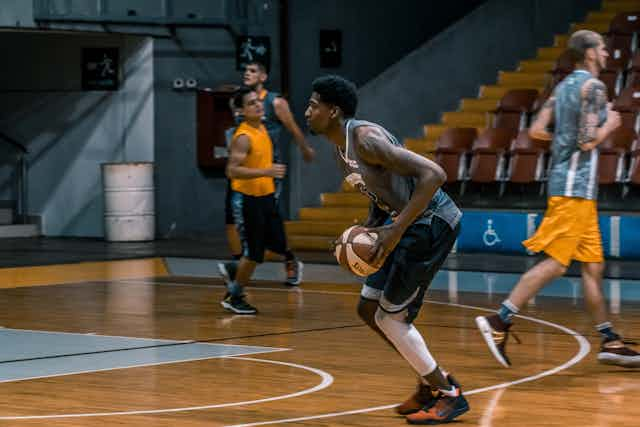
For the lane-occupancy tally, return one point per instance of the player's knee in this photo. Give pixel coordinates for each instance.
(386, 321)
(561, 270)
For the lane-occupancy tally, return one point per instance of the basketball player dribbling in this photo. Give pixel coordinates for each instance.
(416, 224)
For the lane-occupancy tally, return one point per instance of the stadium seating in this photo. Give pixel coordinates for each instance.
(613, 155)
(527, 159)
(452, 149)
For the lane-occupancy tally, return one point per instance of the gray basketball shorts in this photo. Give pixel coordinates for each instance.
(408, 271)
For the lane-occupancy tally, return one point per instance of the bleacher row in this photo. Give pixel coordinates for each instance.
(485, 140)
(503, 152)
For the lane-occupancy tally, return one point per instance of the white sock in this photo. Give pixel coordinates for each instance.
(407, 340)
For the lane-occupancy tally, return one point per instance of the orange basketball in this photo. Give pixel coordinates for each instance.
(352, 250)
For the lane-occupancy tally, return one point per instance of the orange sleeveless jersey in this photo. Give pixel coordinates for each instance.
(260, 156)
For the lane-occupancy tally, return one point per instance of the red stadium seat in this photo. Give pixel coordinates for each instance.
(514, 109)
(634, 165)
(488, 155)
(451, 151)
(527, 159)
(613, 152)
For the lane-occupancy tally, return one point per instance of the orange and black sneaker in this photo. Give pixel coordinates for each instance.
(495, 333)
(614, 351)
(447, 406)
(424, 398)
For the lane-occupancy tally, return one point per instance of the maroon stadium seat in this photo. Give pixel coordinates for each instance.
(488, 155)
(451, 151)
(634, 164)
(527, 159)
(514, 109)
(613, 152)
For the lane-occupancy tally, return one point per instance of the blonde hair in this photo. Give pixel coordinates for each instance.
(580, 41)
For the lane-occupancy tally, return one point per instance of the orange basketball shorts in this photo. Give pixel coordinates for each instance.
(569, 231)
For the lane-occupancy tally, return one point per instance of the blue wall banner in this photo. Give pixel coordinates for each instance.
(503, 232)
(629, 235)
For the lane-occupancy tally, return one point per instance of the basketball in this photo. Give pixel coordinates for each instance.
(353, 248)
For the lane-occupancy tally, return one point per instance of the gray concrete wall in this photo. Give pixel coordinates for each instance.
(70, 132)
(16, 13)
(190, 200)
(375, 34)
(435, 76)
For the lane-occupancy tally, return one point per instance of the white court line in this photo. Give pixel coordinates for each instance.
(327, 380)
(582, 352)
(141, 365)
(585, 347)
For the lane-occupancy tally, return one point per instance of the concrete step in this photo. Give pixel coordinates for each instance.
(463, 119)
(310, 243)
(328, 229)
(618, 6)
(550, 53)
(495, 91)
(347, 188)
(597, 26)
(344, 199)
(602, 16)
(508, 78)
(19, 230)
(560, 40)
(420, 145)
(6, 216)
(354, 215)
(434, 131)
(536, 66)
(478, 105)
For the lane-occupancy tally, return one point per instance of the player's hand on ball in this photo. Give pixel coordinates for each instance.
(388, 238)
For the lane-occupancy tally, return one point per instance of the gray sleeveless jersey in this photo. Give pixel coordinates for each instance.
(573, 172)
(389, 191)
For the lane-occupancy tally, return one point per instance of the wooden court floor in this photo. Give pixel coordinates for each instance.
(330, 370)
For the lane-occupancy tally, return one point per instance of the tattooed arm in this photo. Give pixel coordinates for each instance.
(594, 99)
(538, 129)
(373, 148)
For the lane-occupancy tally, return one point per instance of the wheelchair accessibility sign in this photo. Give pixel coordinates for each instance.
(490, 237)
(501, 232)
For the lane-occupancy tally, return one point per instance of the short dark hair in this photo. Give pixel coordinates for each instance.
(338, 91)
(261, 66)
(580, 41)
(238, 96)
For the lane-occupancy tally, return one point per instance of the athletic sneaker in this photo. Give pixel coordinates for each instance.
(615, 352)
(228, 271)
(495, 332)
(237, 305)
(294, 269)
(443, 410)
(424, 398)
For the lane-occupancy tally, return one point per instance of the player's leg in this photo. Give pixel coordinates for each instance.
(276, 241)
(419, 254)
(613, 349)
(251, 230)
(558, 236)
(228, 269)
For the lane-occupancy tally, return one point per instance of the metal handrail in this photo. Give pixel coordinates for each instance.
(15, 144)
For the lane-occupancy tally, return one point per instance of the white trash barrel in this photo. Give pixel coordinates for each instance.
(129, 209)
